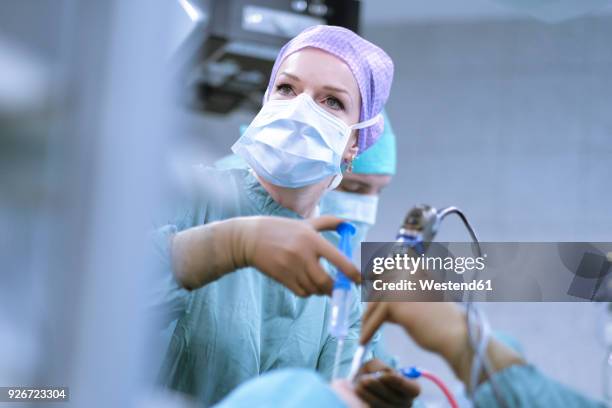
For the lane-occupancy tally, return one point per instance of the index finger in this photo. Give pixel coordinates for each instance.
(373, 318)
(331, 253)
(325, 222)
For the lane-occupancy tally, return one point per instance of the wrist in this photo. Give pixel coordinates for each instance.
(203, 254)
(239, 242)
(460, 355)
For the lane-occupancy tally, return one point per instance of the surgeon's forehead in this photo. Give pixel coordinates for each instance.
(319, 68)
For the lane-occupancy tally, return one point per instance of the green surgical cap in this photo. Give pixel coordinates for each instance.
(381, 157)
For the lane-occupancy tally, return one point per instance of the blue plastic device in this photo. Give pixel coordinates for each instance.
(410, 372)
(342, 286)
(346, 231)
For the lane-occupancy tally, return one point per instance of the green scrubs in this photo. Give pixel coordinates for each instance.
(245, 323)
(526, 386)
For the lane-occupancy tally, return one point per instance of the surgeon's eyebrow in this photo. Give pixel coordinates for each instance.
(334, 89)
(294, 77)
(339, 90)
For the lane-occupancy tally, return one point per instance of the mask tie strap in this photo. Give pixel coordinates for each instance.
(366, 123)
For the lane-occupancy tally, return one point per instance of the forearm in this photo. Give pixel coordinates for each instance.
(459, 354)
(205, 253)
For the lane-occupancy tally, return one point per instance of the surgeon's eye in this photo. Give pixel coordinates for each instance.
(334, 103)
(285, 89)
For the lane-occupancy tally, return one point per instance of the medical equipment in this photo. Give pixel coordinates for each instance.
(358, 358)
(341, 296)
(231, 50)
(420, 227)
(422, 222)
(414, 373)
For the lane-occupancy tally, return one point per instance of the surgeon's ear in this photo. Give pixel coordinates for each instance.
(352, 147)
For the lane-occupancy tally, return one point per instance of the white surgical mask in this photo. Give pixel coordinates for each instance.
(295, 142)
(358, 209)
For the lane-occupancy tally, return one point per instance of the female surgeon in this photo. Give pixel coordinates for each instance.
(322, 107)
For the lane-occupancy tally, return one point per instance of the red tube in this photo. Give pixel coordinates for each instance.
(449, 396)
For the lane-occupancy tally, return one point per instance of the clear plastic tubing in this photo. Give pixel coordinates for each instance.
(341, 296)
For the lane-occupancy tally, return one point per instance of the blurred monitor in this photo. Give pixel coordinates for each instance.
(229, 66)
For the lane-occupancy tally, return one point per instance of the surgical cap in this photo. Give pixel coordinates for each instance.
(381, 158)
(370, 65)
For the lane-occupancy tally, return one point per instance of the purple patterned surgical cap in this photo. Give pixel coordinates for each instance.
(370, 65)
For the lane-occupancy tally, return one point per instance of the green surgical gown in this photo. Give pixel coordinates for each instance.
(245, 323)
(526, 386)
